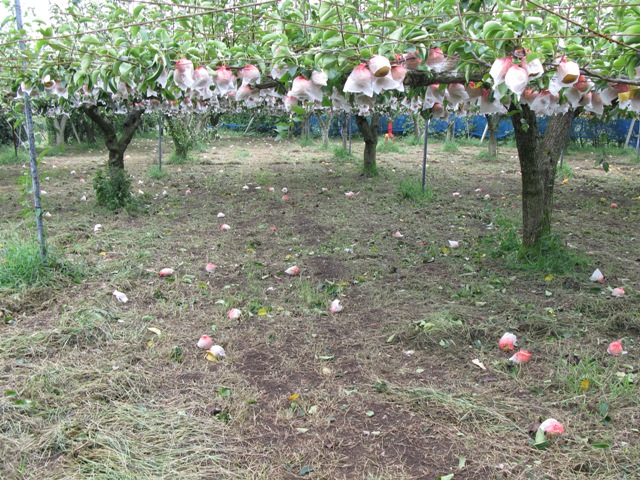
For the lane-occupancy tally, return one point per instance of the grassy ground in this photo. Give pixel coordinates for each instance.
(385, 389)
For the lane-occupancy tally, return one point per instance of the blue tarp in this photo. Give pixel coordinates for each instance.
(584, 128)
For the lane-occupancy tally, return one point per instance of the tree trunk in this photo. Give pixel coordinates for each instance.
(182, 135)
(14, 137)
(306, 127)
(90, 130)
(75, 131)
(417, 126)
(450, 130)
(344, 130)
(493, 121)
(370, 134)
(116, 145)
(325, 125)
(214, 121)
(555, 140)
(60, 123)
(538, 163)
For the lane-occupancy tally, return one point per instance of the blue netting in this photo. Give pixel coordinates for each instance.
(614, 130)
(582, 128)
(478, 123)
(233, 126)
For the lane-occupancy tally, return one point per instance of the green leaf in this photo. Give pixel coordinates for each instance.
(86, 62)
(299, 110)
(600, 445)
(540, 441)
(446, 477)
(537, 21)
(306, 470)
(137, 10)
(90, 40)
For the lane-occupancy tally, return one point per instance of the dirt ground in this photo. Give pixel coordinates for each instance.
(386, 388)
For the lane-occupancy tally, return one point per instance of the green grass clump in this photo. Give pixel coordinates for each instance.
(412, 140)
(486, 156)
(341, 153)
(306, 141)
(551, 255)
(389, 147)
(8, 156)
(176, 159)
(411, 189)
(564, 171)
(156, 173)
(450, 147)
(22, 266)
(113, 189)
(242, 154)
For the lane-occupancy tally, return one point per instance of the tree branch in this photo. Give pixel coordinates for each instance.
(423, 79)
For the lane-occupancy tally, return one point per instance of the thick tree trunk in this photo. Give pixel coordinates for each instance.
(493, 121)
(555, 140)
(116, 145)
(325, 124)
(60, 123)
(90, 130)
(525, 128)
(417, 126)
(538, 163)
(370, 134)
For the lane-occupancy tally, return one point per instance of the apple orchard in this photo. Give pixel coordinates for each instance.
(519, 58)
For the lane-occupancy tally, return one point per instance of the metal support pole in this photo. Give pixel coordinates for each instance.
(349, 132)
(35, 181)
(160, 133)
(424, 155)
(638, 144)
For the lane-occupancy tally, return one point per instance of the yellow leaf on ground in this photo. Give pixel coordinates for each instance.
(548, 278)
(211, 357)
(584, 385)
(155, 330)
(293, 397)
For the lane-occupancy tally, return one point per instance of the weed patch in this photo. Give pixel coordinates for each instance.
(8, 156)
(411, 189)
(22, 266)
